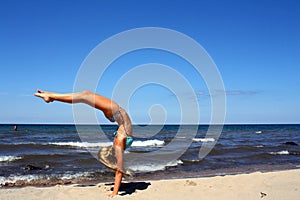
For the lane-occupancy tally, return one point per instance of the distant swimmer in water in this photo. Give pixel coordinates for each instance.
(15, 127)
(114, 113)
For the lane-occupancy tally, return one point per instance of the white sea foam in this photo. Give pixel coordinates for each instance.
(259, 146)
(14, 179)
(82, 144)
(102, 144)
(43, 178)
(203, 139)
(74, 176)
(180, 137)
(148, 143)
(285, 152)
(151, 167)
(9, 158)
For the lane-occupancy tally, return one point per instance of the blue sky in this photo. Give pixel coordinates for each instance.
(255, 45)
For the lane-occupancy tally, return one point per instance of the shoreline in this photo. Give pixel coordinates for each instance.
(157, 176)
(284, 184)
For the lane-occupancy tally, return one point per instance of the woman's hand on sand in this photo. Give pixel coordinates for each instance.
(111, 195)
(44, 95)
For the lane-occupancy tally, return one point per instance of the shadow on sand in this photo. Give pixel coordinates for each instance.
(129, 188)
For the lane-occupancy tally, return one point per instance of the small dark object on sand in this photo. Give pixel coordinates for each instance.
(262, 195)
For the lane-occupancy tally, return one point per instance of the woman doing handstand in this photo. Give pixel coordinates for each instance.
(112, 111)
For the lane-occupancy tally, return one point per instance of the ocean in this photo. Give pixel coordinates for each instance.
(44, 155)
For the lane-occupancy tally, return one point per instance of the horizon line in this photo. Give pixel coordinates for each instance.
(144, 124)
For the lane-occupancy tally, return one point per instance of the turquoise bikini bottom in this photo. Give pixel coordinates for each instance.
(129, 140)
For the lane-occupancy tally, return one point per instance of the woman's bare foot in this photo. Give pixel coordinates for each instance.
(44, 95)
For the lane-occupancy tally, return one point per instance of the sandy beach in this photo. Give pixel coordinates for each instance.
(270, 185)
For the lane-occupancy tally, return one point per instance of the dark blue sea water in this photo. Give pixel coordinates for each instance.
(57, 154)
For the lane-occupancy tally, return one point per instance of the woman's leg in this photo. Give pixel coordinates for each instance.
(104, 104)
